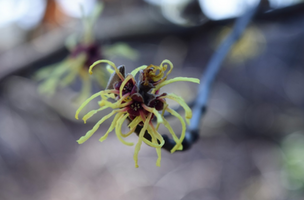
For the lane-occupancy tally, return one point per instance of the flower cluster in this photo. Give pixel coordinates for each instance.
(83, 53)
(139, 101)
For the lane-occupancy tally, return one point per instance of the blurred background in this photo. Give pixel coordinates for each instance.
(251, 142)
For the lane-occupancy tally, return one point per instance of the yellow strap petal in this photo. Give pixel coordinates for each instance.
(69, 78)
(175, 138)
(176, 79)
(155, 112)
(181, 101)
(91, 113)
(118, 132)
(119, 103)
(98, 8)
(108, 62)
(110, 69)
(154, 134)
(111, 128)
(85, 103)
(94, 129)
(86, 87)
(158, 151)
(88, 22)
(76, 68)
(120, 49)
(52, 80)
(91, 98)
(61, 68)
(46, 71)
(140, 139)
(155, 145)
(124, 83)
(163, 112)
(129, 133)
(135, 71)
(154, 140)
(174, 113)
(135, 122)
(101, 77)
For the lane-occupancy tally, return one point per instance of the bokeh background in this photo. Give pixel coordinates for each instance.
(251, 142)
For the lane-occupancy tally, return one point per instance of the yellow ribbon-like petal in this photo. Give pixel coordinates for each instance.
(94, 129)
(86, 87)
(174, 113)
(140, 139)
(111, 128)
(118, 129)
(85, 103)
(91, 113)
(135, 122)
(110, 70)
(155, 112)
(135, 71)
(171, 131)
(108, 62)
(181, 101)
(124, 83)
(152, 131)
(176, 79)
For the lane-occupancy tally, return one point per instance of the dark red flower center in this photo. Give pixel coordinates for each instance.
(157, 104)
(128, 88)
(92, 52)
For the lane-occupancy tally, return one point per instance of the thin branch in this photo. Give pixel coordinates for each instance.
(200, 104)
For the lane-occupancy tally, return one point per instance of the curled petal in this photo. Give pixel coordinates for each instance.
(153, 73)
(164, 66)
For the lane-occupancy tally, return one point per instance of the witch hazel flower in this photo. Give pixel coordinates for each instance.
(138, 101)
(83, 52)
